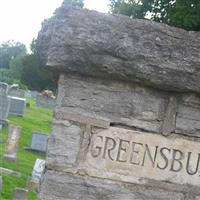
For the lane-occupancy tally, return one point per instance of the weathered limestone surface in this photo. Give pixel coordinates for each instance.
(127, 118)
(78, 187)
(119, 103)
(117, 47)
(64, 144)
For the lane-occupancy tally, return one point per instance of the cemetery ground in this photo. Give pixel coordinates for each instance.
(35, 119)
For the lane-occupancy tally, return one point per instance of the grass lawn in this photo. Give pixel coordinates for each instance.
(35, 119)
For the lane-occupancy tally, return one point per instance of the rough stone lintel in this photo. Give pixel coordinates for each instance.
(76, 187)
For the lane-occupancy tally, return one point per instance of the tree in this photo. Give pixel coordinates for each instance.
(19, 67)
(10, 50)
(35, 76)
(185, 14)
(180, 13)
(76, 3)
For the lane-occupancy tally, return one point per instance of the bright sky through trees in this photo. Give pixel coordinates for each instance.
(21, 20)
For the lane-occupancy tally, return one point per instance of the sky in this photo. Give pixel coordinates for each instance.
(20, 20)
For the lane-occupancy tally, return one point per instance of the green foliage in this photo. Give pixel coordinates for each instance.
(180, 13)
(20, 84)
(35, 76)
(185, 14)
(76, 3)
(16, 65)
(7, 75)
(29, 123)
(10, 50)
(25, 69)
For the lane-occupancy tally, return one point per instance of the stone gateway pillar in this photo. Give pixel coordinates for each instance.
(127, 121)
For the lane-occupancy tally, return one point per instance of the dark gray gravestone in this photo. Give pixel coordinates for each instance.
(17, 106)
(34, 94)
(4, 104)
(39, 142)
(28, 94)
(16, 92)
(43, 101)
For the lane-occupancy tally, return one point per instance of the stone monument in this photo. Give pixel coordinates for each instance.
(16, 92)
(20, 194)
(127, 118)
(47, 102)
(4, 104)
(38, 142)
(17, 106)
(37, 175)
(12, 145)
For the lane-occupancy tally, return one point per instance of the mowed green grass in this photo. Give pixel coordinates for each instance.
(35, 119)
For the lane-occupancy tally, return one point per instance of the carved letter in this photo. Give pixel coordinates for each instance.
(107, 148)
(188, 164)
(177, 159)
(98, 148)
(134, 152)
(147, 151)
(121, 149)
(164, 157)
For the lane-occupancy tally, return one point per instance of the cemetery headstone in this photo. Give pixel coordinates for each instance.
(20, 194)
(16, 92)
(1, 183)
(38, 142)
(17, 106)
(9, 172)
(37, 175)
(38, 169)
(28, 94)
(43, 101)
(34, 94)
(12, 143)
(1, 138)
(4, 104)
(127, 118)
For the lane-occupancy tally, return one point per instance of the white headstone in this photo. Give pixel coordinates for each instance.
(38, 169)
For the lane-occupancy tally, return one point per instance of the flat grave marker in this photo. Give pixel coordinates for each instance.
(20, 194)
(12, 143)
(9, 172)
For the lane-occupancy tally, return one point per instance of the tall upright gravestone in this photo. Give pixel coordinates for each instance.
(127, 120)
(4, 104)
